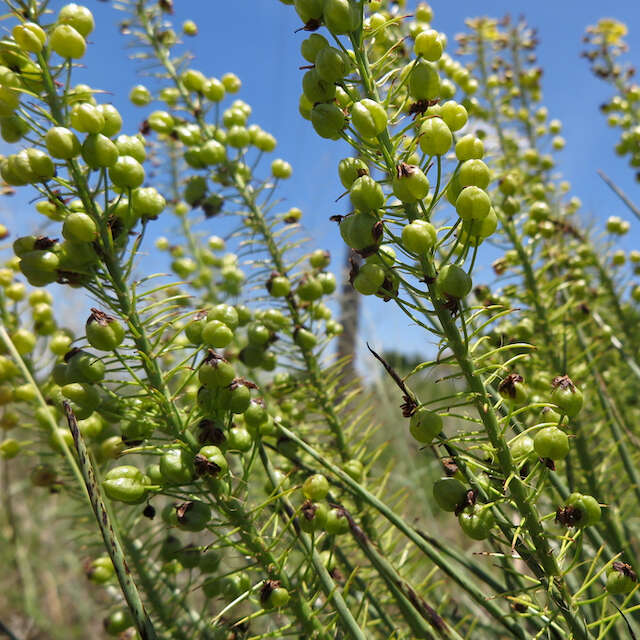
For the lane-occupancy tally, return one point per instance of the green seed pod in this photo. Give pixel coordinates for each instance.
(212, 152)
(209, 561)
(513, 390)
(316, 89)
(86, 118)
(99, 152)
(147, 203)
(224, 313)
(566, 396)
(309, 10)
(366, 194)
(239, 439)
(469, 147)
(78, 16)
(328, 120)
(131, 146)
(234, 398)
(368, 117)
(13, 128)
(195, 190)
(189, 556)
(255, 415)
(369, 279)
(332, 64)
(273, 596)
(336, 522)
(140, 96)
(552, 443)
(350, 169)
(112, 120)
(30, 36)
(9, 101)
(79, 227)
(341, 16)
(449, 493)
(215, 371)
(419, 237)
(328, 282)
(103, 332)
(453, 281)
(67, 42)
(435, 137)
(410, 184)
(311, 47)
(454, 114)
(425, 425)
(211, 462)
(41, 166)
(217, 334)
(473, 204)
(16, 170)
(523, 450)
(621, 578)
(429, 45)
(580, 511)
(361, 230)
(126, 484)
(193, 516)
(315, 487)
(313, 516)
(475, 231)
(424, 81)
(309, 289)
(477, 522)
(176, 466)
(304, 339)
(127, 173)
(9, 448)
(84, 367)
(101, 570)
(117, 622)
(474, 173)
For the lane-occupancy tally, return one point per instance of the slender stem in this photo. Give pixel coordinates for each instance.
(541, 549)
(109, 535)
(239, 518)
(416, 537)
(112, 264)
(328, 585)
(51, 424)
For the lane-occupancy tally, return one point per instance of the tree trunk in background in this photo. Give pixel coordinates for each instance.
(349, 318)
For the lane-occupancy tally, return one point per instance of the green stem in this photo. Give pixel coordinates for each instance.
(107, 528)
(541, 549)
(616, 189)
(156, 603)
(238, 517)
(51, 424)
(114, 269)
(329, 587)
(416, 537)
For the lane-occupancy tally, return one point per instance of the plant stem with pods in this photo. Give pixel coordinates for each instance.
(541, 552)
(421, 541)
(257, 217)
(329, 587)
(126, 308)
(109, 533)
(540, 310)
(237, 515)
(126, 305)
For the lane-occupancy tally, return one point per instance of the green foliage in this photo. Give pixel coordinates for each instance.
(226, 480)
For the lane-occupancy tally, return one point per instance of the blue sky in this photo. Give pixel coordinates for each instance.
(255, 39)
